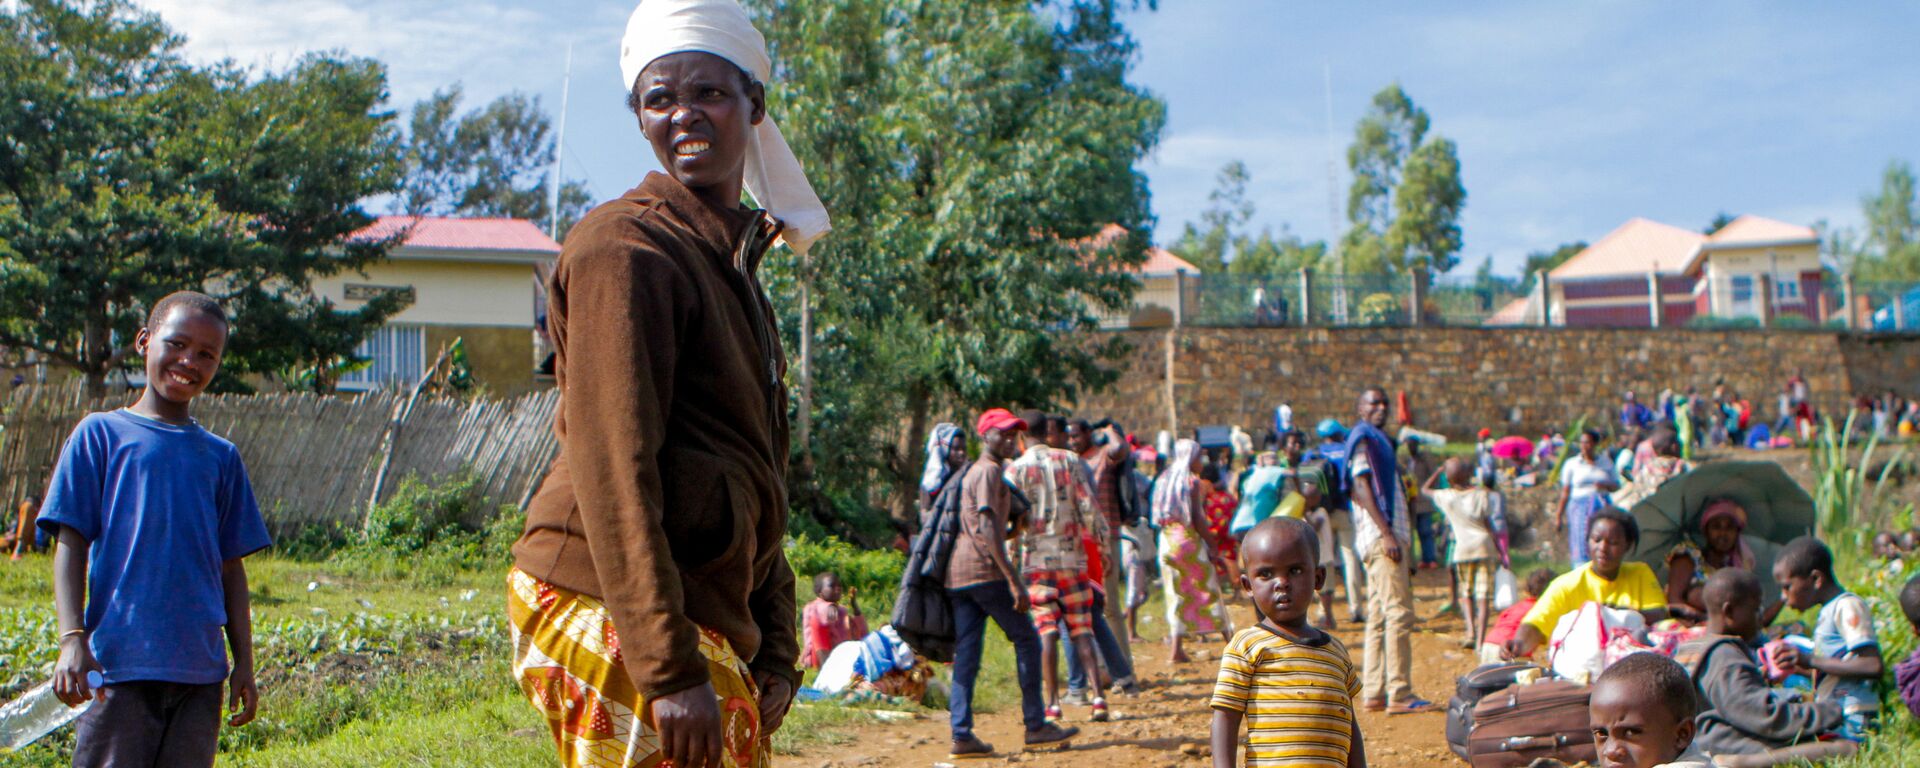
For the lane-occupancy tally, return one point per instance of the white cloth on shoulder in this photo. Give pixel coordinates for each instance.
(721, 27)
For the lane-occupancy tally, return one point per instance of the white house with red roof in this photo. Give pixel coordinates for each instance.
(477, 279)
(1644, 267)
(1161, 278)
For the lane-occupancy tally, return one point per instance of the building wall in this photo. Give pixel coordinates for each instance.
(1622, 302)
(1514, 380)
(1788, 263)
(501, 358)
(446, 292)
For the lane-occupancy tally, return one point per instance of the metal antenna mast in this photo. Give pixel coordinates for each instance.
(560, 141)
(1333, 211)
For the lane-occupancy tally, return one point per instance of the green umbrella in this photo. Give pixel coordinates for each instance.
(1778, 510)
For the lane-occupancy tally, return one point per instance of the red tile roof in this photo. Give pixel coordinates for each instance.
(1635, 248)
(1514, 313)
(463, 234)
(1755, 229)
(1160, 261)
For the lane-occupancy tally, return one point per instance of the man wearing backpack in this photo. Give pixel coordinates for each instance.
(983, 584)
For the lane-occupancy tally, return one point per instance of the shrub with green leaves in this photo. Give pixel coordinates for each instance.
(875, 573)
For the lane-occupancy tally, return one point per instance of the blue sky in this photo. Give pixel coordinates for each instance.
(1570, 117)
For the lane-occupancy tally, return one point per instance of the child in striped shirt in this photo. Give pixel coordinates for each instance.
(1291, 683)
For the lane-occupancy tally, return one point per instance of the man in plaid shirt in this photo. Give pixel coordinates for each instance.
(1052, 554)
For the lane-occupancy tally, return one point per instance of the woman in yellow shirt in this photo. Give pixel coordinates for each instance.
(1606, 579)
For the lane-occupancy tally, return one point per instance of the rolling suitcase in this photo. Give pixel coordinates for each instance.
(1526, 722)
(1469, 690)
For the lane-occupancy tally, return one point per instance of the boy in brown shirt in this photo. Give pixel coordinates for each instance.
(983, 584)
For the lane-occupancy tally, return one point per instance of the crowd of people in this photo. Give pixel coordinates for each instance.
(1057, 512)
(653, 613)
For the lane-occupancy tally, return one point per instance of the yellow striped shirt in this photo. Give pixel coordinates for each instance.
(1297, 698)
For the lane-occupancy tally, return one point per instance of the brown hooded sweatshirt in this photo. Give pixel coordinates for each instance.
(668, 499)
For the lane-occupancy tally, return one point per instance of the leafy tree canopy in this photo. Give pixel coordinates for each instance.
(492, 161)
(127, 173)
(968, 152)
(1546, 261)
(1403, 208)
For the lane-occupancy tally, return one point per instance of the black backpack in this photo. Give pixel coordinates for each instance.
(922, 615)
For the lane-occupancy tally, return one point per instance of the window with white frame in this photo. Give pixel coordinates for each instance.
(1742, 287)
(397, 354)
(1786, 289)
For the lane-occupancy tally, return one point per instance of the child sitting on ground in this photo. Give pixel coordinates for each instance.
(1906, 674)
(1293, 684)
(825, 624)
(1469, 511)
(1846, 652)
(1742, 714)
(1642, 712)
(154, 514)
(1493, 648)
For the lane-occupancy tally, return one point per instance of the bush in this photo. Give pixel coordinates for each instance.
(417, 514)
(874, 573)
(1713, 323)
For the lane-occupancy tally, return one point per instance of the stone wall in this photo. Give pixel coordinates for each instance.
(1513, 380)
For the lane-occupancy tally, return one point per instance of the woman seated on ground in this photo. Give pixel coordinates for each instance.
(1721, 523)
(1605, 579)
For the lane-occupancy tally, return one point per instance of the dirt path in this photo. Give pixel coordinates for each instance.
(1166, 725)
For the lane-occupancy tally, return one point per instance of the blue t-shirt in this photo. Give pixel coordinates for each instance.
(163, 507)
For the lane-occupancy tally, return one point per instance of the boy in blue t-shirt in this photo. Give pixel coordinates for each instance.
(1846, 653)
(153, 515)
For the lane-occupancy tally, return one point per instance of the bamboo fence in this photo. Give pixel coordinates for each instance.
(317, 459)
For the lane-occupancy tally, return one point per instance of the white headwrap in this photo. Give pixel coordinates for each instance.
(938, 444)
(720, 27)
(1173, 490)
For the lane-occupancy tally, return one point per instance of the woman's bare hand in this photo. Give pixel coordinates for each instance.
(689, 726)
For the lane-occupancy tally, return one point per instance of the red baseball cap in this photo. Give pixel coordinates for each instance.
(1485, 433)
(998, 418)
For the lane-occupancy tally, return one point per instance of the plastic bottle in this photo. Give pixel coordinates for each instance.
(38, 712)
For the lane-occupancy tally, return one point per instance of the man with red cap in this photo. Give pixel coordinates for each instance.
(983, 584)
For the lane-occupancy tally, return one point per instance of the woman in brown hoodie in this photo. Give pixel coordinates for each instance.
(651, 601)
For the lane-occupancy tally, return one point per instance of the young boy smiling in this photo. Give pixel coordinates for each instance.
(153, 515)
(1293, 683)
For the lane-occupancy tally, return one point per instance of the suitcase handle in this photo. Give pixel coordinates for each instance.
(1525, 743)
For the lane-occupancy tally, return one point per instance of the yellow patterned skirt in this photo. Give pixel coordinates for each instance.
(567, 660)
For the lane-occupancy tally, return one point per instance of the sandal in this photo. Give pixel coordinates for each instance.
(1414, 707)
(1375, 705)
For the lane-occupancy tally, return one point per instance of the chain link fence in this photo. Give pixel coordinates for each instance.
(1314, 299)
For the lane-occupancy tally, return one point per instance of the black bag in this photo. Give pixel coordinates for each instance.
(1524, 723)
(922, 615)
(1135, 495)
(1469, 689)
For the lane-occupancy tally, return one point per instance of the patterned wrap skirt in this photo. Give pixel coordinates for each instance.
(1189, 582)
(566, 657)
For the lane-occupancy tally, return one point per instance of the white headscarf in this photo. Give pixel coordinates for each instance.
(721, 27)
(1173, 490)
(938, 444)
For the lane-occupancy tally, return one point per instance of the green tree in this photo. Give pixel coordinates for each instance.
(493, 161)
(1269, 254)
(1546, 261)
(1891, 251)
(126, 174)
(968, 151)
(1211, 245)
(1403, 208)
(1720, 221)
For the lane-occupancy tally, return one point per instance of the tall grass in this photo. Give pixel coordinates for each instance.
(1842, 488)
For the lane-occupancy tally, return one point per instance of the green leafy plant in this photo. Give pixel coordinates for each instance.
(1842, 488)
(874, 572)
